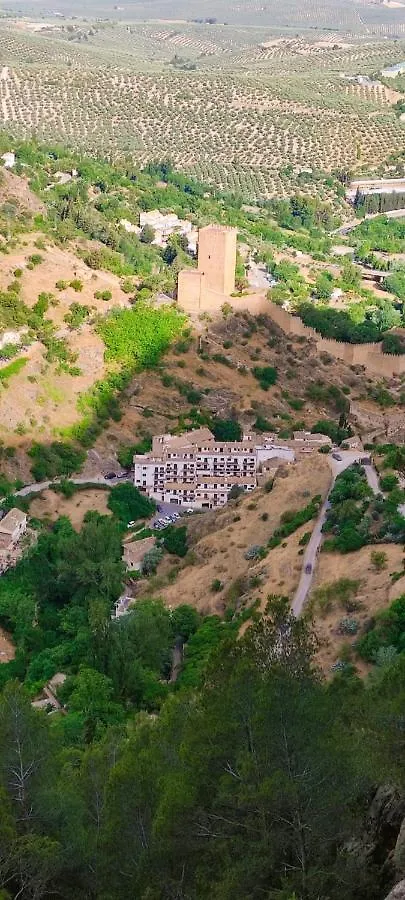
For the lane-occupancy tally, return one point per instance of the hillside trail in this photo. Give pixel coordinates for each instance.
(310, 556)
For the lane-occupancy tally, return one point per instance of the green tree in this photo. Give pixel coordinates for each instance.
(226, 430)
(128, 504)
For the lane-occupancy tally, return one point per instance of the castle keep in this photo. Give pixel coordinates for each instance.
(210, 285)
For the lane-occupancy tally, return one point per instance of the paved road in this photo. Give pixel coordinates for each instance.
(310, 559)
(347, 227)
(38, 486)
(312, 550)
(373, 479)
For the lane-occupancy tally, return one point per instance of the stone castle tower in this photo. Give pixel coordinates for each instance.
(210, 285)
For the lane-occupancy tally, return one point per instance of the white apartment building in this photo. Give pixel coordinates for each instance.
(195, 470)
(164, 225)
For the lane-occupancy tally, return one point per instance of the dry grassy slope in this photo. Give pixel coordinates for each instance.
(375, 593)
(38, 398)
(220, 539)
(15, 189)
(227, 389)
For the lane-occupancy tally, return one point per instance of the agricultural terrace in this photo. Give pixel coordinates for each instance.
(251, 115)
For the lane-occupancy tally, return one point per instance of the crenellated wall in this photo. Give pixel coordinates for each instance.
(196, 296)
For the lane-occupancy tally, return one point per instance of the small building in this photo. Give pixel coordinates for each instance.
(164, 225)
(393, 71)
(8, 160)
(13, 525)
(134, 552)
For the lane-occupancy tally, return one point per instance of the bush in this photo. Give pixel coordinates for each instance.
(291, 520)
(379, 559)
(57, 458)
(151, 561)
(175, 540)
(77, 314)
(388, 482)
(216, 586)
(76, 284)
(265, 375)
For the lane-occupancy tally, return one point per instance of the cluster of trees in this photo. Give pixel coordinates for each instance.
(60, 458)
(380, 234)
(361, 323)
(386, 639)
(247, 784)
(137, 337)
(355, 518)
(366, 204)
(128, 504)
(57, 605)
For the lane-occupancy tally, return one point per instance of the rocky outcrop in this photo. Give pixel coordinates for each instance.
(398, 892)
(398, 856)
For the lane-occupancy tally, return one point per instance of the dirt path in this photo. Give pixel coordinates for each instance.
(7, 651)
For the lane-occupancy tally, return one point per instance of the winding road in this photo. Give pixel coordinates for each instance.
(348, 457)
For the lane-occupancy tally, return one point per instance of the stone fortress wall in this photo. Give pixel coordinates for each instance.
(209, 287)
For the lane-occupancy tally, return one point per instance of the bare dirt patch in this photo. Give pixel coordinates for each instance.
(7, 650)
(50, 505)
(15, 188)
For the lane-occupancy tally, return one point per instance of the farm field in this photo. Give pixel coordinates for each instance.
(343, 15)
(242, 109)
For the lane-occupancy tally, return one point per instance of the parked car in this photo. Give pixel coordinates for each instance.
(336, 456)
(131, 524)
(308, 569)
(110, 475)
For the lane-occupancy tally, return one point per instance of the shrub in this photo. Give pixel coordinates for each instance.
(254, 552)
(216, 586)
(151, 561)
(379, 560)
(291, 520)
(175, 540)
(265, 375)
(77, 314)
(57, 458)
(348, 626)
(35, 259)
(76, 284)
(388, 482)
